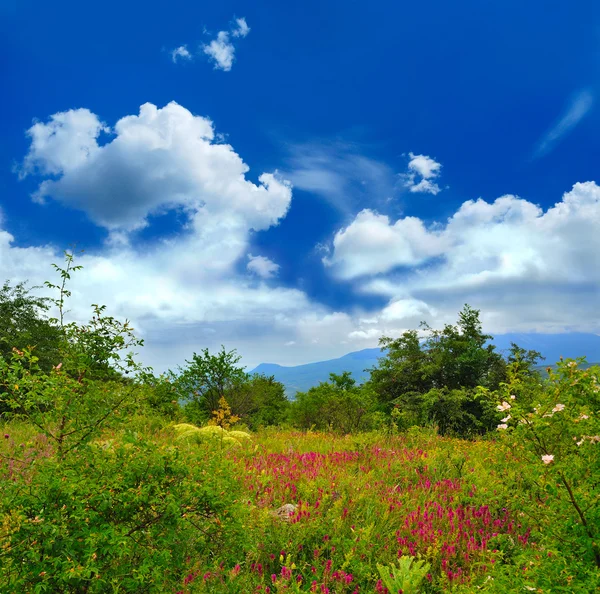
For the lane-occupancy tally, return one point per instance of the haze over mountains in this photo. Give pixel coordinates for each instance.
(300, 378)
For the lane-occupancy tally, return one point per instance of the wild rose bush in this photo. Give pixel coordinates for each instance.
(551, 430)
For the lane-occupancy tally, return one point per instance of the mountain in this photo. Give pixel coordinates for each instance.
(300, 378)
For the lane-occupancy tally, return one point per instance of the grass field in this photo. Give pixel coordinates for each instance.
(141, 511)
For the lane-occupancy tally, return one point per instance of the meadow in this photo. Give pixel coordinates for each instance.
(139, 510)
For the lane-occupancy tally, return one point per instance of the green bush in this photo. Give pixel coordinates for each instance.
(116, 517)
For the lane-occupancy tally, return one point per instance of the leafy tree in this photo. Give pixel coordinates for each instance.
(338, 404)
(523, 360)
(259, 401)
(432, 376)
(206, 379)
(24, 323)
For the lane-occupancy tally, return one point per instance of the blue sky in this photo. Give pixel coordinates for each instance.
(296, 179)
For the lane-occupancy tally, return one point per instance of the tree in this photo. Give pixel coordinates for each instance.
(432, 377)
(259, 401)
(338, 404)
(24, 323)
(206, 379)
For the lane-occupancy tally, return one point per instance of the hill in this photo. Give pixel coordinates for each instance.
(300, 378)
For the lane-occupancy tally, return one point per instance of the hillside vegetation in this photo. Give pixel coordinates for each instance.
(453, 469)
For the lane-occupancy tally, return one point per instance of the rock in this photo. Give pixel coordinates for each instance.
(284, 512)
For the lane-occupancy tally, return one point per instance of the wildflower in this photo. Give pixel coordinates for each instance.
(584, 417)
(546, 459)
(505, 419)
(558, 408)
(502, 426)
(504, 406)
(580, 441)
(512, 396)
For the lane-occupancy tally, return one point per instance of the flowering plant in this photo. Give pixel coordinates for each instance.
(553, 429)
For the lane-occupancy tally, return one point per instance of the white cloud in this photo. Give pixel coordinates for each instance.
(510, 237)
(372, 245)
(157, 160)
(526, 268)
(65, 143)
(427, 169)
(181, 52)
(221, 50)
(262, 266)
(579, 107)
(242, 28)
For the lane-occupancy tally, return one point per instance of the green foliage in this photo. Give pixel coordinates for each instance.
(206, 379)
(432, 377)
(406, 577)
(84, 389)
(158, 395)
(24, 324)
(556, 428)
(338, 404)
(69, 411)
(259, 401)
(125, 516)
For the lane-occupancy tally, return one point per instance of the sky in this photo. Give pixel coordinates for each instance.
(296, 179)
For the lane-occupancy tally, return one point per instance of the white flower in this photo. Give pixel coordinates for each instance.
(548, 458)
(504, 406)
(506, 419)
(580, 441)
(584, 417)
(512, 396)
(502, 426)
(558, 408)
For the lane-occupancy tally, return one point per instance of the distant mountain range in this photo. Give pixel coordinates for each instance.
(300, 378)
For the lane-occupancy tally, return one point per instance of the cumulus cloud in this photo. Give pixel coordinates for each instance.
(528, 269)
(371, 244)
(262, 266)
(65, 142)
(422, 173)
(160, 159)
(221, 50)
(181, 52)
(579, 106)
(510, 237)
